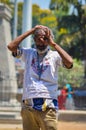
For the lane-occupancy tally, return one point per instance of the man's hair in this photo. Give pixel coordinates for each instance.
(39, 30)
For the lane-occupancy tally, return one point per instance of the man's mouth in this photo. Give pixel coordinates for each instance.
(41, 48)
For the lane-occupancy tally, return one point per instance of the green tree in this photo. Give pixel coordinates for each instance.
(5, 2)
(43, 16)
(74, 24)
(35, 15)
(73, 76)
(20, 12)
(72, 27)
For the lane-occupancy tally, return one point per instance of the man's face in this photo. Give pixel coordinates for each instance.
(40, 40)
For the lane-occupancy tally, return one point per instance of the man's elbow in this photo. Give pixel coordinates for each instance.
(70, 65)
(11, 48)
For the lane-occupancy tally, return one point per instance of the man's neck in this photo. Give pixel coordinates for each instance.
(44, 52)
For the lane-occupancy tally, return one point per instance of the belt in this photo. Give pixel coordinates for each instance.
(35, 103)
(40, 103)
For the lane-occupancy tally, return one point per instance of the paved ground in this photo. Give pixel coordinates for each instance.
(71, 126)
(61, 126)
(68, 120)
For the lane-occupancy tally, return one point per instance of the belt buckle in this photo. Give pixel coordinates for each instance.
(28, 102)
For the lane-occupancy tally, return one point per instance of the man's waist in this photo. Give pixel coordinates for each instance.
(41, 103)
(32, 101)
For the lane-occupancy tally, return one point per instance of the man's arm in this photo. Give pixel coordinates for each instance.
(12, 46)
(66, 58)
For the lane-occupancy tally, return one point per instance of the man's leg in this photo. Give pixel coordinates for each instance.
(48, 119)
(29, 122)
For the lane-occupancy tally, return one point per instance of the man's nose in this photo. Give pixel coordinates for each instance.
(41, 39)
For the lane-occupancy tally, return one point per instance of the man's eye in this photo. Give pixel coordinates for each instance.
(45, 38)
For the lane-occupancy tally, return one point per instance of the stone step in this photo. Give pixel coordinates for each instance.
(14, 117)
(72, 115)
(10, 121)
(10, 109)
(9, 115)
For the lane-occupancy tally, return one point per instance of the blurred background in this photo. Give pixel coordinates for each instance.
(67, 20)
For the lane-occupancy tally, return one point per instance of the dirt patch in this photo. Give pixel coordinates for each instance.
(71, 126)
(61, 126)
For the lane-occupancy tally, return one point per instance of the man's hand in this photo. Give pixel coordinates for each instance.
(49, 37)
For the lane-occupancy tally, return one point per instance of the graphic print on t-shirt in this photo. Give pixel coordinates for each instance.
(37, 67)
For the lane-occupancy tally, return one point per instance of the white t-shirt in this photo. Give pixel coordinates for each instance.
(46, 86)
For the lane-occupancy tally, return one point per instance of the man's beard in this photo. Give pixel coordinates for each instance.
(42, 49)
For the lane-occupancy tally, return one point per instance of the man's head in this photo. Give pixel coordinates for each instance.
(41, 40)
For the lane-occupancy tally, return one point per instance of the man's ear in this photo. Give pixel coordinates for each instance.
(34, 39)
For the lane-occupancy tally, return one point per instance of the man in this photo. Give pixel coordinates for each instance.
(40, 78)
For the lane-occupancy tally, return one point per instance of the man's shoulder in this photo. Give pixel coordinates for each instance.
(29, 49)
(53, 52)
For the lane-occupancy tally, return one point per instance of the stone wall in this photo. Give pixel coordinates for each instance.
(8, 82)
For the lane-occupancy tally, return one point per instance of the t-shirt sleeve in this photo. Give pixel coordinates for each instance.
(58, 59)
(25, 52)
(22, 53)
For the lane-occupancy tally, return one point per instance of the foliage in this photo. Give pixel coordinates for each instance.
(59, 5)
(20, 7)
(45, 17)
(74, 25)
(73, 76)
(73, 39)
(20, 11)
(5, 2)
(35, 16)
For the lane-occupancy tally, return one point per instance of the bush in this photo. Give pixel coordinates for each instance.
(74, 76)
